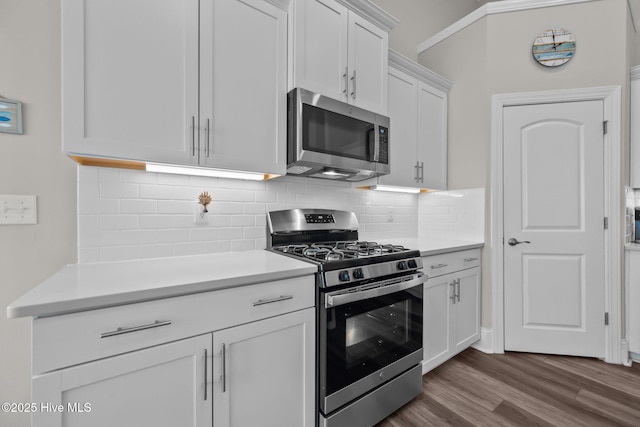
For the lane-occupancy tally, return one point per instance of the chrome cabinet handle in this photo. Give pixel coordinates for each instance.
(346, 80)
(272, 300)
(513, 242)
(458, 292)
(453, 296)
(224, 368)
(353, 86)
(205, 374)
(433, 267)
(121, 331)
(417, 168)
(193, 135)
(470, 259)
(421, 172)
(206, 138)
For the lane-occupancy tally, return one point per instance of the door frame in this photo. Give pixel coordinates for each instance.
(616, 348)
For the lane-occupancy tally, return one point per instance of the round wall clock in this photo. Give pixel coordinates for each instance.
(554, 47)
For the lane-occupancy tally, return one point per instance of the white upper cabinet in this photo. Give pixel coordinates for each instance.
(176, 81)
(340, 50)
(635, 127)
(130, 78)
(418, 131)
(243, 101)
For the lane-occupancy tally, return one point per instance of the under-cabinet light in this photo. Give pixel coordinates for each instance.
(394, 189)
(216, 173)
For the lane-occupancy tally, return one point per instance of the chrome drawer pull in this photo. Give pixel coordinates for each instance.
(269, 301)
(121, 331)
(470, 259)
(433, 267)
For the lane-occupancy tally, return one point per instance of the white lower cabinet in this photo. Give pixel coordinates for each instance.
(264, 372)
(451, 306)
(235, 357)
(165, 385)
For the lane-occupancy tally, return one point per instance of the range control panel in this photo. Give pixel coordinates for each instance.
(319, 219)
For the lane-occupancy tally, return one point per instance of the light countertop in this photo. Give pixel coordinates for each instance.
(80, 287)
(632, 246)
(429, 247)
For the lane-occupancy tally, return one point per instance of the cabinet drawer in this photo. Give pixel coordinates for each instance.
(75, 338)
(437, 265)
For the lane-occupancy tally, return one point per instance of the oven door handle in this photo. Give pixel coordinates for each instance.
(345, 297)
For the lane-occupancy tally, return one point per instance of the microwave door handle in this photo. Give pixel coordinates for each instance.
(376, 143)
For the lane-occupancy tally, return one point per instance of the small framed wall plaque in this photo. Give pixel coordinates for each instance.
(10, 116)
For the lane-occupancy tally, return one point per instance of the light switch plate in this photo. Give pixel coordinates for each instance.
(15, 209)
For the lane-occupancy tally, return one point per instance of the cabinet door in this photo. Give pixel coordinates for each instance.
(632, 259)
(467, 309)
(403, 106)
(320, 47)
(243, 86)
(635, 127)
(130, 79)
(437, 321)
(264, 372)
(368, 65)
(432, 136)
(167, 385)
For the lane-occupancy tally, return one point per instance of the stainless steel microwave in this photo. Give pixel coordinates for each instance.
(334, 140)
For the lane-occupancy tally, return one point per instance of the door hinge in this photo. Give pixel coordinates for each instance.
(605, 127)
(606, 319)
(606, 223)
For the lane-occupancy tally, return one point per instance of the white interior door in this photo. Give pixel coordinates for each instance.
(554, 211)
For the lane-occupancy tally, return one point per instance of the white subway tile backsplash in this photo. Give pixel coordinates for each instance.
(242, 245)
(166, 221)
(119, 222)
(118, 190)
(127, 214)
(217, 246)
(136, 206)
(243, 220)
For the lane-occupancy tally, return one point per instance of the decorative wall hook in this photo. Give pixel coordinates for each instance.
(204, 199)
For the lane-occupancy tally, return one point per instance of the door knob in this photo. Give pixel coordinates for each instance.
(513, 242)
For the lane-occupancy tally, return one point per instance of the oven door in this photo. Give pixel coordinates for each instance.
(368, 335)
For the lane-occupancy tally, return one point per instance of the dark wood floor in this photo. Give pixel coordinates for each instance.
(522, 389)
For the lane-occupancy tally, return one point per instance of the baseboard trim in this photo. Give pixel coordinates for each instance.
(485, 344)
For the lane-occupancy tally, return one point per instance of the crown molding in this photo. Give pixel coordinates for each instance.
(372, 12)
(416, 70)
(490, 9)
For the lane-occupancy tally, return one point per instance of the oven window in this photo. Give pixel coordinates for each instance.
(364, 336)
(371, 332)
(331, 133)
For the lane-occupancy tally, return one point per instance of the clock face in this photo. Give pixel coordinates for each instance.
(554, 47)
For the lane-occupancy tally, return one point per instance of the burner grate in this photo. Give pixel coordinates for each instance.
(340, 250)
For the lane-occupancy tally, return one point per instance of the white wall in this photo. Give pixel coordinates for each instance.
(493, 56)
(31, 164)
(126, 214)
(420, 19)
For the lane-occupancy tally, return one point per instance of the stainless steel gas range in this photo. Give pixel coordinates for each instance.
(369, 314)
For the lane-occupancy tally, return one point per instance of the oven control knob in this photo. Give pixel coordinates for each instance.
(344, 276)
(358, 274)
(412, 263)
(402, 265)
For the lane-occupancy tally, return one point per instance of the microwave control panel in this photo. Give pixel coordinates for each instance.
(383, 135)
